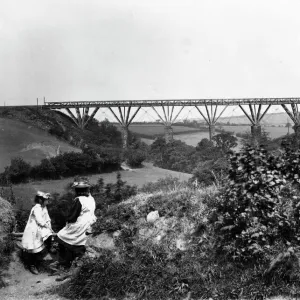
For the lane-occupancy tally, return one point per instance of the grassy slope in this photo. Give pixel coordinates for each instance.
(25, 192)
(23, 139)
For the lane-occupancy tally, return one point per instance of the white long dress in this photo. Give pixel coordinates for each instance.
(37, 230)
(75, 233)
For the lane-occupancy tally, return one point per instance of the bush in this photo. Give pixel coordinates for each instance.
(63, 165)
(134, 157)
(18, 171)
(45, 170)
(252, 214)
(211, 172)
(142, 267)
(175, 155)
(110, 193)
(166, 184)
(225, 141)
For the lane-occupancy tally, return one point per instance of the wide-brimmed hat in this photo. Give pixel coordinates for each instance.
(81, 184)
(43, 195)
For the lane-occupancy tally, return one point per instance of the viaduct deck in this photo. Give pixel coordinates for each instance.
(122, 111)
(174, 102)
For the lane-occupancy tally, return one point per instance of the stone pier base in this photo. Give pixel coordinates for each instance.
(168, 134)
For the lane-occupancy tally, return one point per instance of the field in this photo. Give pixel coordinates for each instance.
(157, 129)
(149, 173)
(32, 144)
(194, 138)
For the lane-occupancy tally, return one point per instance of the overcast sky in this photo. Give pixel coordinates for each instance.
(148, 49)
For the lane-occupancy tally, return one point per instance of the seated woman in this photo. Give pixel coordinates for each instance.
(72, 238)
(38, 232)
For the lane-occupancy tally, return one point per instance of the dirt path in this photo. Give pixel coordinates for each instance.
(22, 285)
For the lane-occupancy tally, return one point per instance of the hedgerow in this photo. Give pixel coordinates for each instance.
(63, 165)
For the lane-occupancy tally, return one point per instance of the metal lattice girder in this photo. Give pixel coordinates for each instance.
(78, 115)
(72, 116)
(294, 114)
(91, 116)
(212, 117)
(85, 115)
(174, 102)
(167, 117)
(124, 117)
(255, 116)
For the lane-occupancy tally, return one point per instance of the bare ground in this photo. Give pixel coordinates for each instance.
(23, 285)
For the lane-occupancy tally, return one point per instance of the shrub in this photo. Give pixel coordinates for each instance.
(45, 170)
(175, 155)
(211, 172)
(18, 171)
(225, 141)
(110, 193)
(134, 157)
(251, 213)
(21, 216)
(166, 184)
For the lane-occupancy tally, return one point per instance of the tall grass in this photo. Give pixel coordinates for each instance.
(150, 263)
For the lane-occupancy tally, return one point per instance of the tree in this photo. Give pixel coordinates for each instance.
(18, 171)
(225, 141)
(204, 144)
(263, 139)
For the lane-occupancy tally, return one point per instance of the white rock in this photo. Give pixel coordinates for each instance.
(101, 241)
(152, 216)
(180, 244)
(116, 234)
(91, 253)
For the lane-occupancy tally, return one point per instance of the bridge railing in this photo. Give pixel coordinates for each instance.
(174, 102)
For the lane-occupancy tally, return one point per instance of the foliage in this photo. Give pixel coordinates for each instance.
(261, 139)
(112, 193)
(207, 151)
(103, 137)
(134, 157)
(7, 222)
(6, 248)
(175, 155)
(144, 269)
(63, 165)
(225, 141)
(105, 132)
(166, 184)
(252, 213)
(45, 170)
(18, 171)
(211, 172)
(204, 144)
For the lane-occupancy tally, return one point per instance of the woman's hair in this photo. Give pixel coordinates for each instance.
(39, 200)
(82, 192)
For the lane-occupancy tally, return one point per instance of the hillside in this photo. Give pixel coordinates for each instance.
(24, 193)
(35, 134)
(270, 119)
(32, 144)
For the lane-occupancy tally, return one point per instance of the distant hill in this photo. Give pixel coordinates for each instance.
(269, 119)
(277, 119)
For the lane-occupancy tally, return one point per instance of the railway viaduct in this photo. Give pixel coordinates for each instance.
(210, 109)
